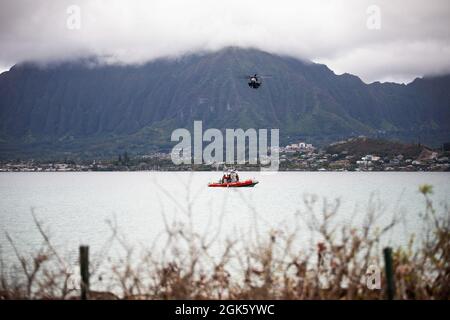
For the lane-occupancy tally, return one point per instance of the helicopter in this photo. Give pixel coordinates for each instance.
(254, 81)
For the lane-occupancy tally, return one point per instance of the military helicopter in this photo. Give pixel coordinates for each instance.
(254, 81)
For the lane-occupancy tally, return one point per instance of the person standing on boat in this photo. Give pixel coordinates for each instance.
(234, 176)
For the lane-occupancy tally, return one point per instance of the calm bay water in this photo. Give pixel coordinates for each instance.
(74, 207)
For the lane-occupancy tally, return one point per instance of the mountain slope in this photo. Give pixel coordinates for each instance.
(81, 107)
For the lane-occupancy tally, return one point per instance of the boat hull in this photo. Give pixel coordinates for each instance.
(239, 184)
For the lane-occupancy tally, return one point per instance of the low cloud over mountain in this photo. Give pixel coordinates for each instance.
(413, 38)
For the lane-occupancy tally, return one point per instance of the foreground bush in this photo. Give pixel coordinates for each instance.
(339, 263)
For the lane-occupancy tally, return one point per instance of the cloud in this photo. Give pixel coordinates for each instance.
(413, 39)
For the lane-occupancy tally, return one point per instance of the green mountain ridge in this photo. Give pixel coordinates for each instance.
(77, 108)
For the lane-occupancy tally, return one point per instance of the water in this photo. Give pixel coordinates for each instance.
(74, 207)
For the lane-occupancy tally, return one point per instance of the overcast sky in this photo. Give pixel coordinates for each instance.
(411, 38)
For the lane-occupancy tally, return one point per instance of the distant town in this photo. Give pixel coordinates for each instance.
(354, 154)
